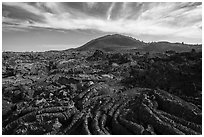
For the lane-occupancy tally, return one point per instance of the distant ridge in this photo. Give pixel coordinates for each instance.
(117, 42)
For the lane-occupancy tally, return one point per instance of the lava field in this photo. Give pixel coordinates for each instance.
(101, 93)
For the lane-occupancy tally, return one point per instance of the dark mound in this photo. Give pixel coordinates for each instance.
(112, 43)
(119, 42)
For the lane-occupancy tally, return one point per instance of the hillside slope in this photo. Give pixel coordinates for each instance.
(117, 42)
(112, 43)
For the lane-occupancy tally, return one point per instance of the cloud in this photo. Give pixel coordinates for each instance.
(110, 10)
(156, 19)
(25, 6)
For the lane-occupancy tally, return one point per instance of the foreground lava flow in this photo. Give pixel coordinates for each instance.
(97, 112)
(107, 93)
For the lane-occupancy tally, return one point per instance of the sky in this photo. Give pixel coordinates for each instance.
(42, 26)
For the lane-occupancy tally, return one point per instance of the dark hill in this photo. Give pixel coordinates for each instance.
(117, 42)
(112, 43)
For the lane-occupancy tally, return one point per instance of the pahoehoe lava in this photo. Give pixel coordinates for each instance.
(145, 111)
(75, 92)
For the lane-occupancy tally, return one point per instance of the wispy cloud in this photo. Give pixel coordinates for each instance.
(156, 19)
(110, 10)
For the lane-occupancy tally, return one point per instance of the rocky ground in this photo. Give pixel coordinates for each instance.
(70, 92)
